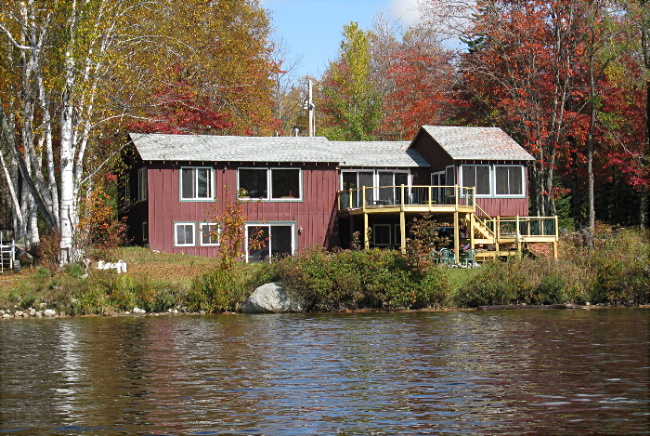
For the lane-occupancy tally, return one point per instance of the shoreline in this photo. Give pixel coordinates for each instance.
(34, 314)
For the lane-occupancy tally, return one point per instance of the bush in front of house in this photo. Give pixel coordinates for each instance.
(371, 279)
(528, 281)
(220, 290)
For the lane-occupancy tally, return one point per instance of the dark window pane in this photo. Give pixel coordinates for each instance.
(366, 180)
(349, 180)
(285, 183)
(483, 180)
(281, 240)
(254, 235)
(502, 180)
(381, 235)
(204, 183)
(187, 183)
(253, 183)
(516, 180)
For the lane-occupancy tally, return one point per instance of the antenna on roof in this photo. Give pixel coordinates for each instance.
(308, 105)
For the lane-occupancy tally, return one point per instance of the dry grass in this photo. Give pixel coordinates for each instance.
(175, 270)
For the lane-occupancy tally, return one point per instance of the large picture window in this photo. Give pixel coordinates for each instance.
(184, 234)
(509, 180)
(476, 176)
(269, 183)
(196, 183)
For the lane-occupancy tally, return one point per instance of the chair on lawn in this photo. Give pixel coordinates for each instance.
(448, 256)
(469, 258)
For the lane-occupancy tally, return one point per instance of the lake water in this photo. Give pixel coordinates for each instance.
(505, 372)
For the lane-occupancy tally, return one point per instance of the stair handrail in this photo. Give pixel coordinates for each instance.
(483, 222)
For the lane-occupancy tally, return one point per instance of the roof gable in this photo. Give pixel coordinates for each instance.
(477, 143)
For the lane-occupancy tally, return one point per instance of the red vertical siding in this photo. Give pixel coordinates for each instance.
(431, 151)
(313, 214)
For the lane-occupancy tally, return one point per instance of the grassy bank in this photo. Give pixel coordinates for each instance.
(615, 272)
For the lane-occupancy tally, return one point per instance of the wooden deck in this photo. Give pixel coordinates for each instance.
(493, 236)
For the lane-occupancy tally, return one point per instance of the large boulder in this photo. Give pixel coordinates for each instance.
(270, 298)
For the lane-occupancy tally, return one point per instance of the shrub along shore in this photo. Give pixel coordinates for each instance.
(615, 272)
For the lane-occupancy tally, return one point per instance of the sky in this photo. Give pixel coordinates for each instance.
(312, 30)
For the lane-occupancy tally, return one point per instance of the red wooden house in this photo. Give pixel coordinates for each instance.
(307, 192)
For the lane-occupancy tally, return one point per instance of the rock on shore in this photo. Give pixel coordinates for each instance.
(271, 298)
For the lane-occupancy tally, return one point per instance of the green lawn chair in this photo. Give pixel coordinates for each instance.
(469, 258)
(448, 256)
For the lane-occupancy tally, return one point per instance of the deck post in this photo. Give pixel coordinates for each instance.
(497, 233)
(366, 239)
(456, 233)
(402, 230)
(518, 236)
(471, 230)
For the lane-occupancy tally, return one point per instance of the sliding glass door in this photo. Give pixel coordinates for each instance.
(264, 241)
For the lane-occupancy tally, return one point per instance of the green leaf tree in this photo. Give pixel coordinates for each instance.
(350, 104)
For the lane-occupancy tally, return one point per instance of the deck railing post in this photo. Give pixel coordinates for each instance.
(366, 233)
(518, 236)
(402, 197)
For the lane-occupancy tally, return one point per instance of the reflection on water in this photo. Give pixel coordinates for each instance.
(514, 372)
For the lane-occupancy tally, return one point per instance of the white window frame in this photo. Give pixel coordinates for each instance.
(195, 179)
(375, 175)
(450, 170)
(269, 185)
(439, 192)
(523, 182)
(208, 244)
(489, 180)
(294, 239)
(142, 184)
(184, 223)
(374, 235)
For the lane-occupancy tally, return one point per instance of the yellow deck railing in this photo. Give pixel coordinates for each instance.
(404, 196)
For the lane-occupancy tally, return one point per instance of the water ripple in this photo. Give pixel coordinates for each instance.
(561, 372)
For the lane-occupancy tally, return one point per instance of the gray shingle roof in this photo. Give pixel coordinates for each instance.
(477, 143)
(394, 154)
(210, 148)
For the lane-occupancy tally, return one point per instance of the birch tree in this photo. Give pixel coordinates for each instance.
(59, 59)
